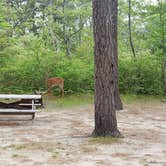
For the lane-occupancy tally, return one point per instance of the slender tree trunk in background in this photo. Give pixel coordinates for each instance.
(65, 38)
(130, 34)
(50, 28)
(164, 77)
(80, 32)
(34, 28)
(105, 31)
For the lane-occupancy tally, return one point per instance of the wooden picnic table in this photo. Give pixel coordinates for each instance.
(25, 104)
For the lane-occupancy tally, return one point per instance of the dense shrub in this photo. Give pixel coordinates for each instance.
(140, 76)
(29, 75)
(27, 65)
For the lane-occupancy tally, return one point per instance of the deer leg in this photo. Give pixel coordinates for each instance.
(49, 90)
(62, 91)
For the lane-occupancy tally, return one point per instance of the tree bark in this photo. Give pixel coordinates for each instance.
(106, 74)
(118, 102)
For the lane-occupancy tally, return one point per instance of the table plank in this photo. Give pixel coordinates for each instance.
(16, 96)
(16, 111)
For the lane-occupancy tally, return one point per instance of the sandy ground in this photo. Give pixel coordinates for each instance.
(61, 137)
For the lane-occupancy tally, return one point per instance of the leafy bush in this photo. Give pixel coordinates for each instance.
(26, 68)
(140, 76)
(28, 74)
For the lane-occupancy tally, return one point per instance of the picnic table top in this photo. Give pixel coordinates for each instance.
(16, 111)
(18, 96)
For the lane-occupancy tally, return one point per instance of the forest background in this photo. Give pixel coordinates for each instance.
(56, 37)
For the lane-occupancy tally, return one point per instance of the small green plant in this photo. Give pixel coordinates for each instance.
(15, 155)
(18, 146)
(55, 154)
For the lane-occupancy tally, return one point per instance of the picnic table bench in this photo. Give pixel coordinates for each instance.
(25, 104)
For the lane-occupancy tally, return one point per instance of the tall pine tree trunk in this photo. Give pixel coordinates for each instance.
(106, 75)
(118, 102)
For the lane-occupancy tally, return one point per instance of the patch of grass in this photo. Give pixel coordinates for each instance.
(17, 146)
(86, 99)
(104, 140)
(15, 155)
(88, 149)
(55, 154)
(35, 146)
(129, 98)
(72, 101)
(77, 100)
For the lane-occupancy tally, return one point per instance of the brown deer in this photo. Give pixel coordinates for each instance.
(51, 83)
(55, 81)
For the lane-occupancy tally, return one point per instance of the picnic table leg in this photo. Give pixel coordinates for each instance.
(33, 107)
(33, 116)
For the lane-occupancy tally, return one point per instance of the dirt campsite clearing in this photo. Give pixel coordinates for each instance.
(61, 136)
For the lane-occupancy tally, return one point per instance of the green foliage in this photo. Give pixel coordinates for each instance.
(37, 36)
(26, 73)
(140, 76)
(3, 22)
(26, 69)
(29, 75)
